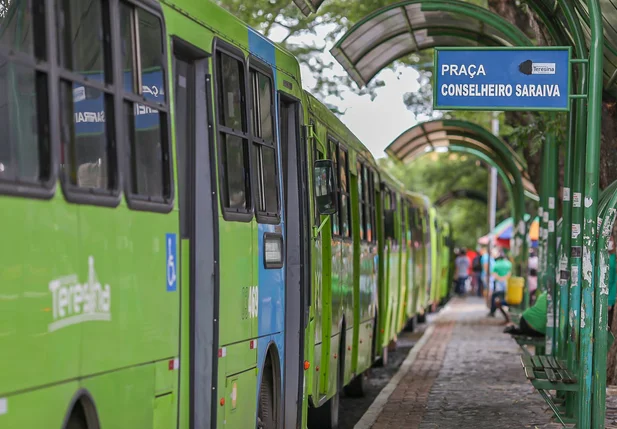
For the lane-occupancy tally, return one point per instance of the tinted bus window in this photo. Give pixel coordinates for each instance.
(89, 154)
(263, 146)
(333, 149)
(344, 193)
(149, 146)
(233, 138)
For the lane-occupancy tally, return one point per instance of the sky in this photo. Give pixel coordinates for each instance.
(378, 122)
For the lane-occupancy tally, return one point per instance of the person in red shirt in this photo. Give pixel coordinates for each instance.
(471, 254)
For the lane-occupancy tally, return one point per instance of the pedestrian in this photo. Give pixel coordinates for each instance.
(487, 266)
(462, 268)
(533, 320)
(476, 266)
(502, 270)
(471, 254)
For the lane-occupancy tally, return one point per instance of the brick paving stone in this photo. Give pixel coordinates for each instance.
(467, 376)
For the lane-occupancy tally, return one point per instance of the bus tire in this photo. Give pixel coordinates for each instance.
(410, 326)
(77, 419)
(355, 388)
(266, 414)
(326, 416)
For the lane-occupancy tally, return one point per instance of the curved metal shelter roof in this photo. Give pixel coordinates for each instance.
(552, 11)
(308, 6)
(400, 29)
(397, 30)
(430, 136)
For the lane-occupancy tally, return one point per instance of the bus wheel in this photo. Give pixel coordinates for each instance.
(410, 326)
(77, 419)
(326, 416)
(355, 388)
(266, 415)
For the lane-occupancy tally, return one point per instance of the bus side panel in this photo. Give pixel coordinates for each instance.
(129, 397)
(271, 281)
(130, 255)
(20, 414)
(39, 265)
(394, 284)
(403, 280)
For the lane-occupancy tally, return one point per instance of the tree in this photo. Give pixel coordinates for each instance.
(283, 22)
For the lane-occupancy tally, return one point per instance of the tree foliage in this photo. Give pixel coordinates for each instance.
(335, 17)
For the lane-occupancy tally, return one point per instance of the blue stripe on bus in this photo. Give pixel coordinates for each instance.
(271, 282)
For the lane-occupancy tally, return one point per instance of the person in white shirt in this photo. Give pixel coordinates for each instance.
(462, 271)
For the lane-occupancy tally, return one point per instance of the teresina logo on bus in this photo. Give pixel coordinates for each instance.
(75, 302)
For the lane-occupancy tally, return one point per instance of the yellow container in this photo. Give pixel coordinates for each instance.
(514, 291)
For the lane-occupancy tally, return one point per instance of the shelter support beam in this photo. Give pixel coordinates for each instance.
(566, 240)
(592, 161)
(578, 173)
(550, 215)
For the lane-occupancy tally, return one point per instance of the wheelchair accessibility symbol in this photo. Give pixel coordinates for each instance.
(171, 261)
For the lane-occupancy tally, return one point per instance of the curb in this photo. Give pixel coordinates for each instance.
(373, 412)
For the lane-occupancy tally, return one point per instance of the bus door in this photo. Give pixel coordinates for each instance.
(298, 240)
(199, 235)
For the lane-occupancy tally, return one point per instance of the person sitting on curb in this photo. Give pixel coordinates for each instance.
(533, 320)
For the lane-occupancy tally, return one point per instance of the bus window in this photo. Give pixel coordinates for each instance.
(25, 153)
(264, 155)
(333, 152)
(150, 158)
(317, 155)
(371, 230)
(344, 193)
(403, 226)
(361, 194)
(80, 45)
(233, 137)
(88, 147)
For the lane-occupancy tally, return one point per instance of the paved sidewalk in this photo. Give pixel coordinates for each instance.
(467, 375)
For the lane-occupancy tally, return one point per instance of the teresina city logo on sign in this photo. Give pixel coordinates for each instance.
(75, 302)
(528, 67)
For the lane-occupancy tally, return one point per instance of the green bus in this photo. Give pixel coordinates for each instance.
(195, 241)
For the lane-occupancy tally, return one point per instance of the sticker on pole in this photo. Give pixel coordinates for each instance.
(566, 194)
(502, 78)
(171, 262)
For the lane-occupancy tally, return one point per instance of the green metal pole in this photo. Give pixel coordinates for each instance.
(566, 238)
(551, 241)
(600, 345)
(594, 117)
(580, 106)
(543, 214)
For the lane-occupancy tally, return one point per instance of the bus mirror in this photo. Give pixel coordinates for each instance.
(388, 218)
(323, 178)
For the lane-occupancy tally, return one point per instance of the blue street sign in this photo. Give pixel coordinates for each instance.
(502, 79)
